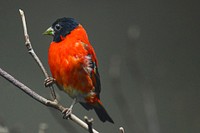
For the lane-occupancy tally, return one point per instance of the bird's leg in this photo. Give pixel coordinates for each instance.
(67, 111)
(49, 81)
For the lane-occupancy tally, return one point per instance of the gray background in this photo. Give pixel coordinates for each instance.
(149, 62)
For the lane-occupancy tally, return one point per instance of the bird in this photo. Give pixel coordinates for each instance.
(74, 66)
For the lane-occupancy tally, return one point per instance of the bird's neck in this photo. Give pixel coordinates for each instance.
(78, 34)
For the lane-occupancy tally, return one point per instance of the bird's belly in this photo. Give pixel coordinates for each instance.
(75, 93)
(72, 79)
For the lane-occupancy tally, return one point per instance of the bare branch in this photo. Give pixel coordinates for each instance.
(37, 97)
(89, 123)
(33, 54)
(29, 46)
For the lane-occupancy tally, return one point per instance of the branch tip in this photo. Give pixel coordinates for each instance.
(121, 129)
(21, 11)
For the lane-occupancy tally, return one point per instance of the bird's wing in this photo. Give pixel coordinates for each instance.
(91, 67)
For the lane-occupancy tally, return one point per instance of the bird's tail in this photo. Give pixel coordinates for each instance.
(101, 112)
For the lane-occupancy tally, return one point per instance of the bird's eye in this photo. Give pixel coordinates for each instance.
(57, 27)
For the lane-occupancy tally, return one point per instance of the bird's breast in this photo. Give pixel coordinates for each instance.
(66, 65)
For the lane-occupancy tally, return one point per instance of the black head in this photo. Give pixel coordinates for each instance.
(61, 27)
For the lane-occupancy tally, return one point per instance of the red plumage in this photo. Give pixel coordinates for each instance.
(74, 65)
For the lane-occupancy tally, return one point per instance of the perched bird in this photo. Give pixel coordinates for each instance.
(74, 65)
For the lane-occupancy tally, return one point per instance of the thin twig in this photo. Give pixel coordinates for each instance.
(29, 46)
(37, 97)
(33, 54)
(121, 129)
(89, 123)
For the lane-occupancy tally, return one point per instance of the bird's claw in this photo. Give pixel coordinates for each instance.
(67, 112)
(49, 81)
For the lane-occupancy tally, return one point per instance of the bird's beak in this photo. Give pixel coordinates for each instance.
(49, 31)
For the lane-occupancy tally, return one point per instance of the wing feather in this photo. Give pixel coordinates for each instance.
(91, 67)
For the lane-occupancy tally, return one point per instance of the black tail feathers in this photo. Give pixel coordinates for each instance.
(102, 114)
(100, 111)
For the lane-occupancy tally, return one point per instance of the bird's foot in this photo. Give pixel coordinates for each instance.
(49, 81)
(67, 112)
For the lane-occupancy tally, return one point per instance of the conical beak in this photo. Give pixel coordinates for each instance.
(49, 31)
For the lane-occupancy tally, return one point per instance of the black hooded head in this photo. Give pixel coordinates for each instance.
(61, 27)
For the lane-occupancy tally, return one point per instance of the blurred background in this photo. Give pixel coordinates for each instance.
(149, 63)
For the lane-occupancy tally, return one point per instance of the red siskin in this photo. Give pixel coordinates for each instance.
(74, 65)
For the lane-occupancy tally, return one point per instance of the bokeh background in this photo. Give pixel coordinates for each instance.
(149, 62)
